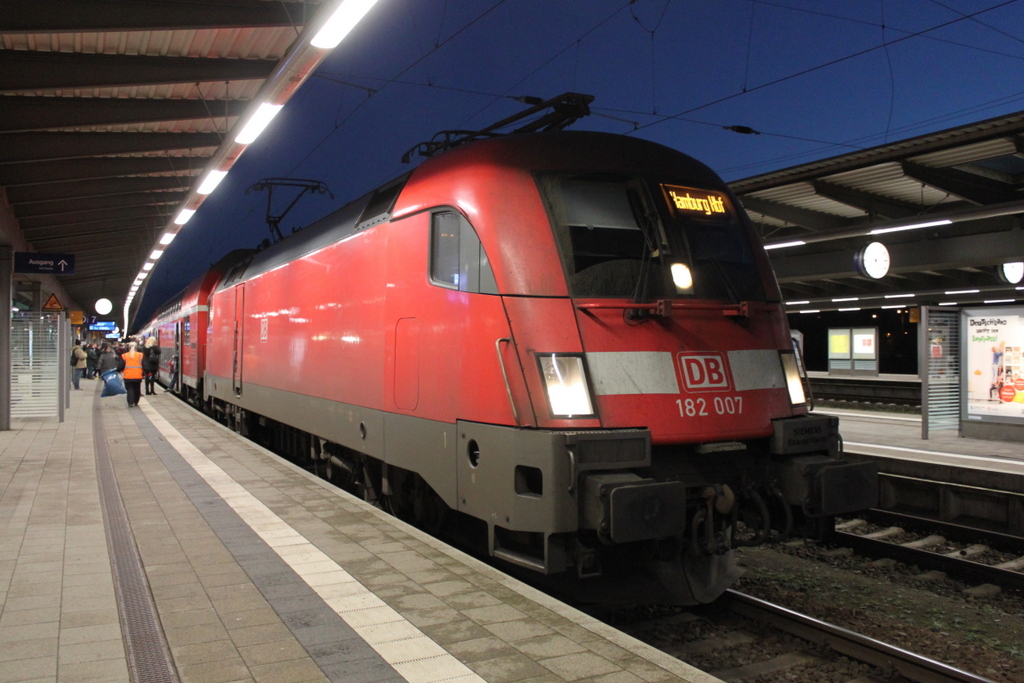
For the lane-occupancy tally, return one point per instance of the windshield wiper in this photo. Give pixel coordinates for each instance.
(646, 220)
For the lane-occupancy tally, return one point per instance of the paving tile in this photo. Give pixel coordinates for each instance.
(190, 635)
(487, 647)
(507, 669)
(11, 617)
(28, 669)
(576, 666)
(523, 629)
(96, 617)
(255, 635)
(105, 671)
(250, 617)
(27, 649)
(548, 646)
(455, 631)
(28, 590)
(201, 653)
(292, 671)
(493, 614)
(278, 651)
(189, 618)
(223, 671)
(91, 651)
(13, 634)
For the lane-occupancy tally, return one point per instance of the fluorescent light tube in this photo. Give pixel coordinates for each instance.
(260, 119)
(783, 245)
(211, 181)
(184, 215)
(915, 226)
(344, 19)
(167, 238)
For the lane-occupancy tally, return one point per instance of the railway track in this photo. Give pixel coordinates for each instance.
(773, 642)
(873, 652)
(951, 549)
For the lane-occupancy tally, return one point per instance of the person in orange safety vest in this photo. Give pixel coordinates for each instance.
(132, 374)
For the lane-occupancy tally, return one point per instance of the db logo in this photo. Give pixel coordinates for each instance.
(704, 372)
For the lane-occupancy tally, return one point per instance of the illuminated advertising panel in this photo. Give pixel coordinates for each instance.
(993, 364)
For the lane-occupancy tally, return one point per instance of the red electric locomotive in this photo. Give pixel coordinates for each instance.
(574, 339)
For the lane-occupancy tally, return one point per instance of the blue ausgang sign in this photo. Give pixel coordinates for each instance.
(52, 264)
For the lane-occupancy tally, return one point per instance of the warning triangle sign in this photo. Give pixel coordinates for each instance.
(52, 304)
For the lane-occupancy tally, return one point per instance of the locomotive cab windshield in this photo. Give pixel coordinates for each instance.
(647, 240)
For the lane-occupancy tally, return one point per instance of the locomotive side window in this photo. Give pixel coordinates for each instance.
(457, 259)
(630, 238)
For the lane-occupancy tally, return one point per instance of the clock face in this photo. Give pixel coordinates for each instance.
(873, 260)
(1012, 272)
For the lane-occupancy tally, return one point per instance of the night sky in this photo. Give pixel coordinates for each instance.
(814, 79)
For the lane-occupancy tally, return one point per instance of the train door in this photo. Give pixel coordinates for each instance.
(176, 358)
(238, 343)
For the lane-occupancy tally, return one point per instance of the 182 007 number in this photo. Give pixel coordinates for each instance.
(721, 405)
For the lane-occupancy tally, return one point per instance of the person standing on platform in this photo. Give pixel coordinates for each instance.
(80, 363)
(90, 361)
(151, 365)
(107, 360)
(132, 374)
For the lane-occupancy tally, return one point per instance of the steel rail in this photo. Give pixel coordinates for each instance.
(916, 667)
(920, 557)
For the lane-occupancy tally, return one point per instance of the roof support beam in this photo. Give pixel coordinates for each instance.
(36, 172)
(46, 224)
(59, 208)
(92, 188)
(873, 204)
(30, 70)
(84, 234)
(907, 257)
(17, 147)
(19, 114)
(967, 186)
(61, 16)
(815, 221)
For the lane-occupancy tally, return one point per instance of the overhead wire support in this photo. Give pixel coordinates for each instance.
(566, 109)
(268, 184)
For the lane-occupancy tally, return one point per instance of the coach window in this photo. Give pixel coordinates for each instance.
(457, 259)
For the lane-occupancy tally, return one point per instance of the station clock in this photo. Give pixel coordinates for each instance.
(873, 260)
(1012, 272)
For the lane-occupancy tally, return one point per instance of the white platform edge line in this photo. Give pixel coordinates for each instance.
(685, 672)
(1006, 465)
(263, 520)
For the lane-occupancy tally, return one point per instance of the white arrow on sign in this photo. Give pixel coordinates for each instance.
(62, 263)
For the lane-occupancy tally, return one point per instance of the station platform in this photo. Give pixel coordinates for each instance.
(898, 436)
(153, 544)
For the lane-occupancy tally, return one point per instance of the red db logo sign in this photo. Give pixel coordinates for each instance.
(704, 372)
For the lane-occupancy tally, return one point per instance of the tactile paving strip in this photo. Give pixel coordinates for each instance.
(149, 658)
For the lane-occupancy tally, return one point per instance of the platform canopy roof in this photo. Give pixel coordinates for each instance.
(968, 181)
(110, 112)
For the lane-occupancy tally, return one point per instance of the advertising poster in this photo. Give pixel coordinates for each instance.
(993, 364)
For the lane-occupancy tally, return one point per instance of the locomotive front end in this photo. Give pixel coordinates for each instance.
(664, 421)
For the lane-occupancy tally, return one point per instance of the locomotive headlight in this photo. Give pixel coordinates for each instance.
(566, 384)
(681, 276)
(793, 381)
